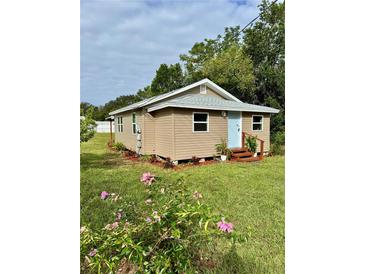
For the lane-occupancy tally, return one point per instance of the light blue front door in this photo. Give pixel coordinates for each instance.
(234, 129)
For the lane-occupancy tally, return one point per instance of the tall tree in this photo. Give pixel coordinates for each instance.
(84, 106)
(264, 42)
(232, 69)
(87, 126)
(167, 78)
(202, 52)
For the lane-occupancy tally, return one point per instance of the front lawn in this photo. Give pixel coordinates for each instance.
(250, 195)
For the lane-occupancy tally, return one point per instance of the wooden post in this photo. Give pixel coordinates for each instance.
(111, 132)
(243, 139)
(261, 149)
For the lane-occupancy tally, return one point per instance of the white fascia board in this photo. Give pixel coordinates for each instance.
(161, 106)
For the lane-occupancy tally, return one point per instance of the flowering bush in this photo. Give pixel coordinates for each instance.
(169, 235)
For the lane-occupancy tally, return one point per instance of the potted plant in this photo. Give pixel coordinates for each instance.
(251, 143)
(223, 150)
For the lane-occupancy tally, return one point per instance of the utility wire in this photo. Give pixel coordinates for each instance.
(258, 16)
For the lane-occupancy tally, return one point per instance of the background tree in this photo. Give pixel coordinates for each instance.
(232, 69)
(167, 78)
(204, 51)
(84, 107)
(264, 42)
(87, 126)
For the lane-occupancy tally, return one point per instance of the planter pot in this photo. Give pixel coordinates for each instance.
(223, 157)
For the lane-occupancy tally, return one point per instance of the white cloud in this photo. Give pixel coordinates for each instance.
(124, 42)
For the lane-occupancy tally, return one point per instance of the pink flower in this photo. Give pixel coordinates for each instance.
(147, 178)
(225, 227)
(104, 195)
(93, 252)
(148, 220)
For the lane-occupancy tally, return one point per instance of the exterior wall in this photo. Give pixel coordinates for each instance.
(264, 134)
(148, 134)
(127, 137)
(199, 144)
(168, 132)
(164, 132)
(210, 92)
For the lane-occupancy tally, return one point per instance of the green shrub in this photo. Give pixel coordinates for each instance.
(87, 127)
(169, 234)
(222, 148)
(278, 143)
(277, 149)
(119, 146)
(251, 143)
(145, 158)
(279, 138)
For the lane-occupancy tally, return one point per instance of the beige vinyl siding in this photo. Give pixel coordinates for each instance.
(127, 137)
(164, 132)
(199, 144)
(210, 92)
(148, 134)
(264, 134)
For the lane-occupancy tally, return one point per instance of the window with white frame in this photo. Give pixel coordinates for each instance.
(200, 122)
(257, 122)
(120, 123)
(203, 89)
(134, 123)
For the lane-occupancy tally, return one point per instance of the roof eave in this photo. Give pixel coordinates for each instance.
(157, 107)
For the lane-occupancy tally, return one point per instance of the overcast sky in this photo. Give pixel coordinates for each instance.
(124, 42)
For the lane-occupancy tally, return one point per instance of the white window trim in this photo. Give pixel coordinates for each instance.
(262, 123)
(135, 123)
(120, 127)
(207, 122)
(203, 89)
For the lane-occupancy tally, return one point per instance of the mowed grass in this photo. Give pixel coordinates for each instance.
(250, 195)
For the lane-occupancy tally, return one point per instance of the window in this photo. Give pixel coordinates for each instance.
(203, 89)
(120, 123)
(200, 122)
(257, 122)
(134, 124)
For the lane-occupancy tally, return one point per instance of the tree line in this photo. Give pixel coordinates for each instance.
(249, 63)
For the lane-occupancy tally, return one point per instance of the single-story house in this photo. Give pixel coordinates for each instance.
(190, 121)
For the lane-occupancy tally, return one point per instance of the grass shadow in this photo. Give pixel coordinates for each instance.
(105, 160)
(232, 263)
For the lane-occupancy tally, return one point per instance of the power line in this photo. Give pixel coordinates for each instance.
(258, 16)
